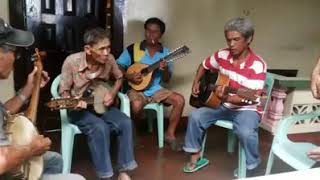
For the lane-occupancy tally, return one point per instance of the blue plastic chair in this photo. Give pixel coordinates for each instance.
(68, 130)
(292, 153)
(158, 107)
(241, 171)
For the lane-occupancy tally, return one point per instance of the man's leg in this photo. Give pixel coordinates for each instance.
(137, 102)
(98, 136)
(177, 101)
(245, 125)
(53, 163)
(198, 122)
(121, 125)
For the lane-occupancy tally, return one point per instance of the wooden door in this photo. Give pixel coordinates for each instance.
(58, 26)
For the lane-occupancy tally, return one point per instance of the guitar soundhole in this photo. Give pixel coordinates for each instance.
(144, 71)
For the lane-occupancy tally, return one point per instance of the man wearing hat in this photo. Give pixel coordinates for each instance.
(11, 156)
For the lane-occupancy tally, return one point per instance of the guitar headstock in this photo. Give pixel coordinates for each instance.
(37, 59)
(177, 53)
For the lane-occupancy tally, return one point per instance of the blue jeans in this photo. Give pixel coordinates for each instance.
(52, 168)
(52, 163)
(245, 126)
(98, 130)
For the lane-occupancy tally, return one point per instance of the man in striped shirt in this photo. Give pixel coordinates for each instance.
(244, 69)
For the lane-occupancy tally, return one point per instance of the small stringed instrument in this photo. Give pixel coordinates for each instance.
(147, 70)
(21, 128)
(96, 100)
(208, 98)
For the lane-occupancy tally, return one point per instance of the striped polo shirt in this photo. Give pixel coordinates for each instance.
(249, 74)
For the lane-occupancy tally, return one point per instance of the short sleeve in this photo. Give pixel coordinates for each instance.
(124, 59)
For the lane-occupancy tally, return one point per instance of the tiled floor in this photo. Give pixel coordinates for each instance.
(164, 164)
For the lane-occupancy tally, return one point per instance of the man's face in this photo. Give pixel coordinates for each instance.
(7, 58)
(152, 33)
(99, 51)
(236, 42)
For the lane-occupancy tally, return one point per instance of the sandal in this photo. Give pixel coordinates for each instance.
(202, 162)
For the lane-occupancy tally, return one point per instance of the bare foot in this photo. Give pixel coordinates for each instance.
(123, 176)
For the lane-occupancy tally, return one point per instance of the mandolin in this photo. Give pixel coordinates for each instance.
(147, 70)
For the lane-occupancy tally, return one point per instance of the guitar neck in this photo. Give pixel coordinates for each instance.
(88, 100)
(151, 67)
(231, 90)
(31, 112)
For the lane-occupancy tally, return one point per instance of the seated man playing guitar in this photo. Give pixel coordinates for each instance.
(11, 155)
(79, 73)
(245, 70)
(148, 52)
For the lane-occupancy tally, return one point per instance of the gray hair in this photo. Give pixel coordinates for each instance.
(240, 24)
(94, 35)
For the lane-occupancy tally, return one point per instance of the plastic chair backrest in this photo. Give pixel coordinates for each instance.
(268, 85)
(55, 93)
(285, 124)
(55, 87)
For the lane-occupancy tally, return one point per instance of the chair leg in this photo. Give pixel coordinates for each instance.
(67, 140)
(160, 121)
(150, 121)
(270, 162)
(203, 145)
(231, 141)
(242, 167)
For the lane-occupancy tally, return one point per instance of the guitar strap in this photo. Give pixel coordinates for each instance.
(137, 53)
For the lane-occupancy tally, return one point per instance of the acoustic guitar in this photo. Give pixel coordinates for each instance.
(207, 96)
(96, 99)
(147, 70)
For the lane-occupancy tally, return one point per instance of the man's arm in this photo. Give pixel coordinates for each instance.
(314, 154)
(14, 104)
(116, 87)
(196, 82)
(315, 81)
(13, 156)
(164, 67)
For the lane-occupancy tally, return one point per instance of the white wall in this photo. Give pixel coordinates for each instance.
(6, 86)
(287, 31)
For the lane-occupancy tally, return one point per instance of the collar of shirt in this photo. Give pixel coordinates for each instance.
(143, 46)
(83, 64)
(248, 62)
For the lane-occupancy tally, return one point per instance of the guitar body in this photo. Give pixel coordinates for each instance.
(207, 96)
(21, 132)
(146, 78)
(213, 100)
(99, 91)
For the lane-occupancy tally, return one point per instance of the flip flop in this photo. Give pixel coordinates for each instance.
(202, 162)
